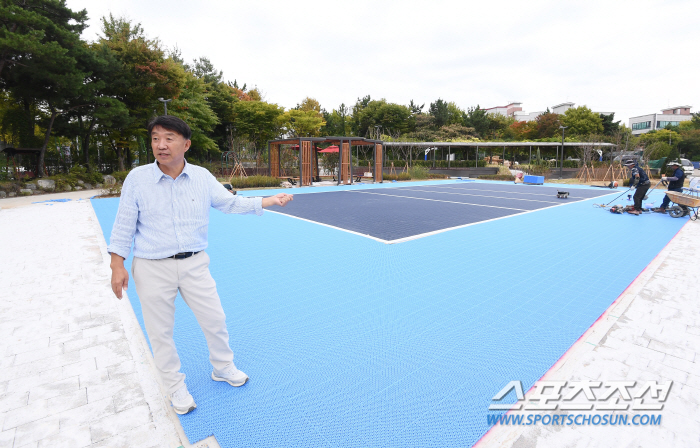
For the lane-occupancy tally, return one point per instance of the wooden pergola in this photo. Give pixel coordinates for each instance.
(308, 157)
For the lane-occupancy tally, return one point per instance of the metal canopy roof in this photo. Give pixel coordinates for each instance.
(354, 141)
(495, 144)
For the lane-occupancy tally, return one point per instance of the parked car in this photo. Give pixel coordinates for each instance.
(687, 167)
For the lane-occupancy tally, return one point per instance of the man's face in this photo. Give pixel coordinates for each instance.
(169, 147)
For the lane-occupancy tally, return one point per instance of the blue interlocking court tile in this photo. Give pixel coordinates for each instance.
(350, 342)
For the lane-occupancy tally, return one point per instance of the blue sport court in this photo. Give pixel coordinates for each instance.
(389, 315)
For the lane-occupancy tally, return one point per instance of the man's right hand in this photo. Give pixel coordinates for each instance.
(120, 276)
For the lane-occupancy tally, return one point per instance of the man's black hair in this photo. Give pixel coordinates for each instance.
(171, 123)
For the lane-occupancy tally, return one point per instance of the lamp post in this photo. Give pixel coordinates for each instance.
(561, 167)
(165, 104)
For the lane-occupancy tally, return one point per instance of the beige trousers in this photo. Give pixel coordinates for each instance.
(157, 283)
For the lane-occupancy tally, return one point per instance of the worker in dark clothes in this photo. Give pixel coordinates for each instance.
(640, 181)
(675, 183)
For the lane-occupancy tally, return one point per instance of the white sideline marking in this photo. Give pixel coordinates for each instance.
(438, 200)
(486, 196)
(433, 232)
(491, 191)
(332, 227)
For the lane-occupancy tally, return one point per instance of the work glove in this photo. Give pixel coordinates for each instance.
(664, 178)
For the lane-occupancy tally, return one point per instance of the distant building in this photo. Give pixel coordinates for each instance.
(516, 111)
(507, 111)
(653, 122)
(559, 109)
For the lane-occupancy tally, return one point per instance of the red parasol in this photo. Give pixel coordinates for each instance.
(330, 149)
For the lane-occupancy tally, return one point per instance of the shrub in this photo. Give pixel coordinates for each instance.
(81, 173)
(438, 176)
(498, 177)
(112, 190)
(418, 172)
(120, 176)
(400, 176)
(536, 170)
(254, 182)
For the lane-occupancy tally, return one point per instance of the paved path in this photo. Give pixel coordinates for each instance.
(75, 370)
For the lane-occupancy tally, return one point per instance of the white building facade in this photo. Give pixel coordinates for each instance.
(515, 110)
(653, 122)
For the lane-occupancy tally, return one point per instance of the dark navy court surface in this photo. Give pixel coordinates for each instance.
(395, 213)
(351, 342)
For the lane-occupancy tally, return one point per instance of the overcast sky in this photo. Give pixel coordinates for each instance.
(629, 57)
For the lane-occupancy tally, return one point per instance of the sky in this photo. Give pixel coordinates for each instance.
(629, 57)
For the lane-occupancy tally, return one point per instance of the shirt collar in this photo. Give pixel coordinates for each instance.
(158, 174)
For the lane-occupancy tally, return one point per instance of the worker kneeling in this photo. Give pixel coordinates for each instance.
(675, 183)
(640, 181)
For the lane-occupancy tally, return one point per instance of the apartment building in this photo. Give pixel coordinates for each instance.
(651, 122)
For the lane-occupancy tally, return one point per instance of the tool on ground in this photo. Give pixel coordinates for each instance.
(624, 193)
(646, 196)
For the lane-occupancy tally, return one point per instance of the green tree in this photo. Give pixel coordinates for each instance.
(309, 104)
(393, 118)
(304, 123)
(36, 29)
(581, 121)
(438, 110)
(192, 107)
(609, 126)
(478, 119)
(219, 96)
(257, 121)
(445, 113)
(146, 75)
(337, 122)
(47, 80)
(523, 130)
(547, 125)
(455, 133)
(689, 145)
(95, 108)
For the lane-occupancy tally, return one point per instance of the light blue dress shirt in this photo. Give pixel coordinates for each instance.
(165, 216)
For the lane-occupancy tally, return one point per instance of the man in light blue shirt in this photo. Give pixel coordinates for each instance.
(164, 210)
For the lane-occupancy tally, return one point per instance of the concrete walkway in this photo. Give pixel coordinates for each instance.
(75, 369)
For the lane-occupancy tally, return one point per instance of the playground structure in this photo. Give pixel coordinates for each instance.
(308, 158)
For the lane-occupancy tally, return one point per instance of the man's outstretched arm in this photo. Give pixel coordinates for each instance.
(280, 199)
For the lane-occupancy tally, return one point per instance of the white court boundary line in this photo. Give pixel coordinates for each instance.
(493, 191)
(332, 227)
(438, 200)
(433, 232)
(484, 196)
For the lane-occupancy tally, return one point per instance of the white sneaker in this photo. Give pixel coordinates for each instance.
(231, 375)
(182, 401)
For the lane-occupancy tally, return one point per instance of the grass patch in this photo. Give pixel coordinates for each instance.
(254, 182)
(400, 176)
(498, 177)
(419, 172)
